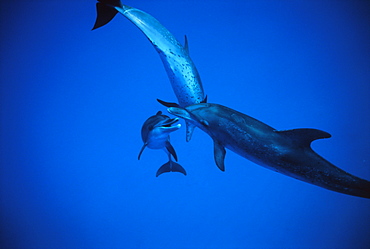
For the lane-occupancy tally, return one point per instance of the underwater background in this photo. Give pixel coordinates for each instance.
(73, 102)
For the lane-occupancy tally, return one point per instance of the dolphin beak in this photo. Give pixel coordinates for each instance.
(179, 112)
(169, 122)
(168, 125)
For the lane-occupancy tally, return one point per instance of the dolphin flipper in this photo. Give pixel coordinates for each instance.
(189, 130)
(219, 154)
(141, 151)
(170, 166)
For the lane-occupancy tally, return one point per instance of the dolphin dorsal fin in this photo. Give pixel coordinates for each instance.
(305, 136)
(186, 45)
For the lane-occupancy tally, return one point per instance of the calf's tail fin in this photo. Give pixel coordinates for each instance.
(170, 166)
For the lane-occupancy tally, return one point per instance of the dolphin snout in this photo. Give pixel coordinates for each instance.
(169, 122)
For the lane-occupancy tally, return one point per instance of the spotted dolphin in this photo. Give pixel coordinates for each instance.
(155, 134)
(183, 74)
(287, 152)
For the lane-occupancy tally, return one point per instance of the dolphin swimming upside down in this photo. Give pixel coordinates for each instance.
(183, 74)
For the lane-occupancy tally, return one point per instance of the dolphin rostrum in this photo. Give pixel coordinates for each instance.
(183, 74)
(287, 152)
(155, 133)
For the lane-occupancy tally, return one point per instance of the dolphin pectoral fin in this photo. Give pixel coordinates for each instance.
(171, 150)
(167, 104)
(219, 154)
(189, 130)
(141, 151)
(170, 166)
(105, 12)
(304, 137)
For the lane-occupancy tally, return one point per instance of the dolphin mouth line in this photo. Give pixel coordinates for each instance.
(170, 122)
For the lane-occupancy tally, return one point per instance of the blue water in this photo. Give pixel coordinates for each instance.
(73, 102)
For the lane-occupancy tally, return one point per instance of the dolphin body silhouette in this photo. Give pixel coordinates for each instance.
(155, 134)
(287, 152)
(183, 74)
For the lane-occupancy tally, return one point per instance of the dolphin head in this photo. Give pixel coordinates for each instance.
(207, 117)
(198, 114)
(155, 134)
(159, 124)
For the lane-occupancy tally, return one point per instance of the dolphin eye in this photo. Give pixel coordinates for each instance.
(204, 122)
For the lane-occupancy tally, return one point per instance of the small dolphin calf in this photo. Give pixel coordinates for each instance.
(287, 152)
(156, 135)
(183, 74)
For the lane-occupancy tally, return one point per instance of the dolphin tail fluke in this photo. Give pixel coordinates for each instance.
(105, 12)
(170, 166)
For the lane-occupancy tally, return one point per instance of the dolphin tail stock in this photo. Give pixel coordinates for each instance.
(363, 189)
(170, 166)
(350, 185)
(328, 175)
(106, 11)
(171, 150)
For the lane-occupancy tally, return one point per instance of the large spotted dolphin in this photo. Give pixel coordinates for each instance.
(287, 152)
(155, 134)
(183, 74)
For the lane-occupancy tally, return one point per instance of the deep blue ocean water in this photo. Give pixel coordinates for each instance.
(73, 102)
